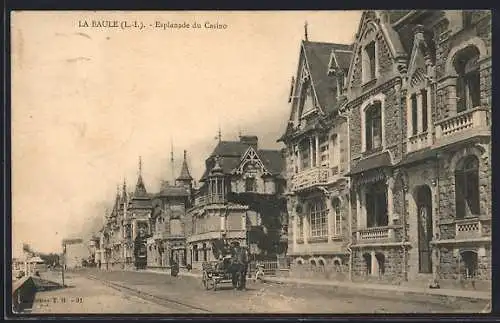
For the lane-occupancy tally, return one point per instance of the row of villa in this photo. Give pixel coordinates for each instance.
(386, 171)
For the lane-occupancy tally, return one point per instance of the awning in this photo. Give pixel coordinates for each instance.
(417, 156)
(372, 162)
(256, 201)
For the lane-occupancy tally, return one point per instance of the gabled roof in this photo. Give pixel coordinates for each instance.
(341, 58)
(317, 58)
(229, 148)
(230, 153)
(227, 163)
(272, 159)
(171, 190)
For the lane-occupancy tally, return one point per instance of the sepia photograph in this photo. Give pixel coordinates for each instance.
(251, 162)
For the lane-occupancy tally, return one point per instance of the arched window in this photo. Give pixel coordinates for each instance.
(468, 82)
(318, 218)
(369, 62)
(467, 188)
(373, 126)
(312, 262)
(321, 262)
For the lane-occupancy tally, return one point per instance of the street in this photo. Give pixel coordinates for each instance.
(259, 297)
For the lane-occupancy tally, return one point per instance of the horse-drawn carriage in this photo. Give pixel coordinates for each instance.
(216, 273)
(231, 268)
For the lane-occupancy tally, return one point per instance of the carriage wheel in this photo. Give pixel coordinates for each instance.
(208, 282)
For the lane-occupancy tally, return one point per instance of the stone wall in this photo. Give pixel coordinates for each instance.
(393, 265)
(330, 269)
(452, 264)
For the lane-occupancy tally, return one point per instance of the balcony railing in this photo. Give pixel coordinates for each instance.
(209, 199)
(468, 228)
(309, 178)
(376, 234)
(470, 120)
(419, 141)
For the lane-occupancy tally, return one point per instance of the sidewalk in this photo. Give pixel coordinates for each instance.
(87, 296)
(445, 292)
(386, 288)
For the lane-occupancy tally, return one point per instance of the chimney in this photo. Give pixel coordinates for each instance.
(250, 140)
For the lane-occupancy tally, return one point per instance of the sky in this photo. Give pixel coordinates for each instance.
(88, 101)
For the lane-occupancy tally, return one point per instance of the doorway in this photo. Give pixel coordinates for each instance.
(425, 232)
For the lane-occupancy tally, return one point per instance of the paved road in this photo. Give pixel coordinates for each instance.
(273, 298)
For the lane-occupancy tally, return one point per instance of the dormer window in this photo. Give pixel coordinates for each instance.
(369, 62)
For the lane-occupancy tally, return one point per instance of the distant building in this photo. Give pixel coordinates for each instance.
(168, 241)
(234, 167)
(75, 254)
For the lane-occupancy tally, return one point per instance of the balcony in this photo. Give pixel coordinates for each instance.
(159, 235)
(375, 235)
(462, 126)
(468, 229)
(419, 141)
(209, 199)
(309, 178)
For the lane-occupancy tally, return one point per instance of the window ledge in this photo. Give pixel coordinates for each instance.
(370, 152)
(468, 219)
(300, 241)
(318, 239)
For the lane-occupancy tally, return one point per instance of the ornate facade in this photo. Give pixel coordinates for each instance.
(233, 167)
(159, 216)
(389, 145)
(316, 141)
(168, 216)
(419, 101)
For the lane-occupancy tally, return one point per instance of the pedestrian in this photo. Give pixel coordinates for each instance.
(174, 269)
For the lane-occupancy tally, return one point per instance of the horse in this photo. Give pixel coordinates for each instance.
(239, 267)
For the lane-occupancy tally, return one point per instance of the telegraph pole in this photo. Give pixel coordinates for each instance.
(63, 262)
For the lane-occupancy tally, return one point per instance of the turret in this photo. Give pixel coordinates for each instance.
(140, 189)
(185, 178)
